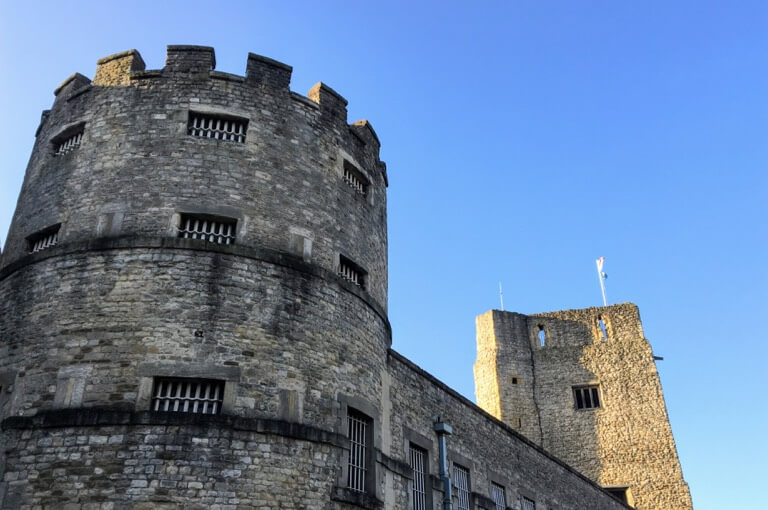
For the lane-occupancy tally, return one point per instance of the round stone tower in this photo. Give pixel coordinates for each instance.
(193, 291)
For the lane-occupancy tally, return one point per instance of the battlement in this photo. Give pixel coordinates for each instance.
(620, 321)
(570, 327)
(128, 68)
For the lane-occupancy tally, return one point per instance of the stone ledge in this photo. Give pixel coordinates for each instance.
(361, 499)
(394, 465)
(100, 417)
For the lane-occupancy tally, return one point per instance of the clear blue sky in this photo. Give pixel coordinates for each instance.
(523, 140)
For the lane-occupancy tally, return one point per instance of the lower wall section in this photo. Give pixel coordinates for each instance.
(213, 464)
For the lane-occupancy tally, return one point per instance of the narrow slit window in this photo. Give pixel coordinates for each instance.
(218, 127)
(46, 238)
(358, 431)
(586, 397)
(196, 396)
(418, 458)
(542, 336)
(211, 229)
(69, 141)
(355, 179)
(461, 481)
(499, 497)
(603, 328)
(351, 272)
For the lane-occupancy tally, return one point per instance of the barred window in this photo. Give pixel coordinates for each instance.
(461, 481)
(529, 504)
(586, 397)
(46, 238)
(214, 230)
(69, 141)
(351, 271)
(198, 396)
(359, 431)
(218, 127)
(498, 495)
(418, 457)
(355, 178)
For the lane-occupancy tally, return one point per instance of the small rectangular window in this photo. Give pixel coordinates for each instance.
(586, 397)
(461, 481)
(46, 238)
(359, 433)
(498, 496)
(68, 141)
(418, 458)
(529, 504)
(197, 396)
(217, 126)
(351, 272)
(355, 178)
(211, 229)
(619, 493)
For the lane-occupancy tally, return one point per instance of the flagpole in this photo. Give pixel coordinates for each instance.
(501, 297)
(602, 280)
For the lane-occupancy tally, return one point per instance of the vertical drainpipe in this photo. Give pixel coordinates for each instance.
(443, 431)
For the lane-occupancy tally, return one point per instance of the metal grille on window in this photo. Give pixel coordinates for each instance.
(461, 481)
(587, 397)
(357, 433)
(418, 464)
(220, 128)
(529, 504)
(353, 178)
(188, 396)
(44, 241)
(350, 273)
(68, 144)
(498, 496)
(220, 231)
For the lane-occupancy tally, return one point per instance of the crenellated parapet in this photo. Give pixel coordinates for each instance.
(298, 178)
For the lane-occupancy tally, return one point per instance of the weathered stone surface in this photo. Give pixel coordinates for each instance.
(627, 441)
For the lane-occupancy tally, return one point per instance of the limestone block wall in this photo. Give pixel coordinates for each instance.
(88, 324)
(492, 451)
(625, 442)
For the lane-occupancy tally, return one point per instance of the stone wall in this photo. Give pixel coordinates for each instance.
(492, 451)
(626, 441)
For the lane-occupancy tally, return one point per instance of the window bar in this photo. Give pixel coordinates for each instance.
(357, 453)
(417, 464)
(461, 477)
(196, 401)
(45, 242)
(499, 497)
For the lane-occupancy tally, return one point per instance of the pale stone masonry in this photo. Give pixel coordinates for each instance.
(529, 370)
(217, 243)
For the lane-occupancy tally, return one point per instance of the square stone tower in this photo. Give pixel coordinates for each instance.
(583, 384)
